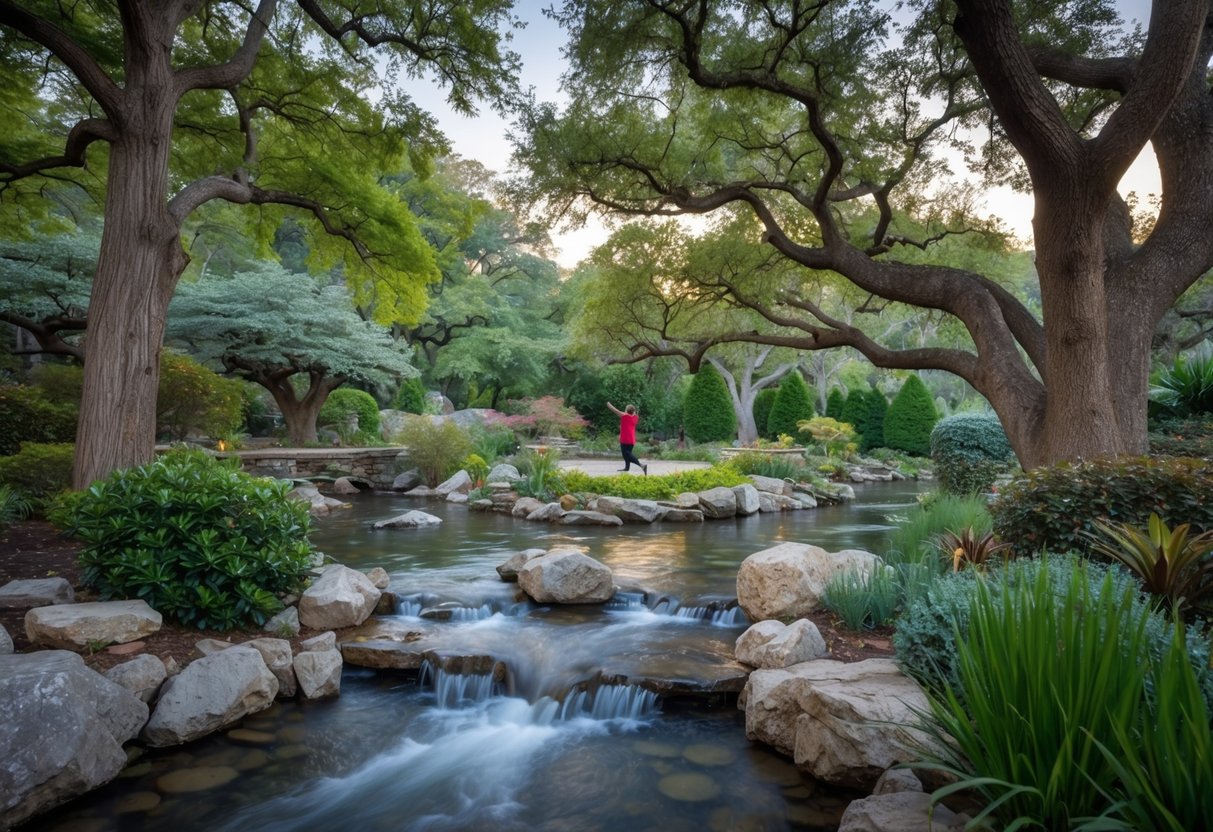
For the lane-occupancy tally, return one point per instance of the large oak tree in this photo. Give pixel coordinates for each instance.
(832, 122)
(161, 107)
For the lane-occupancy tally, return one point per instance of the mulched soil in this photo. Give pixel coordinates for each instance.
(33, 549)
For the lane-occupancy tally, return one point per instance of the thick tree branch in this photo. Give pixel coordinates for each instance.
(240, 65)
(47, 332)
(82, 134)
(1113, 74)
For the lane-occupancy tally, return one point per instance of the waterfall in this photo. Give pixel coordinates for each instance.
(609, 702)
(717, 616)
(453, 690)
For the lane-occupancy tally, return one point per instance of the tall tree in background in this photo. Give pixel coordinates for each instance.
(828, 126)
(160, 108)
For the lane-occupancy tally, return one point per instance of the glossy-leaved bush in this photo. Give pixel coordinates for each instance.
(200, 541)
(970, 450)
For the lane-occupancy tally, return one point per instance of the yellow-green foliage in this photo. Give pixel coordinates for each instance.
(192, 399)
(663, 487)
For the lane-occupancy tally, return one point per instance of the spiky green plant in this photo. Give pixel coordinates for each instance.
(970, 548)
(1171, 563)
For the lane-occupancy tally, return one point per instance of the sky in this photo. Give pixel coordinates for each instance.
(484, 137)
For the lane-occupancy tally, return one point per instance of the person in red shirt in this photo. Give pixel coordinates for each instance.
(628, 417)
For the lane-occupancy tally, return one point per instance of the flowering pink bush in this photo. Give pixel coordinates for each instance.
(546, 416)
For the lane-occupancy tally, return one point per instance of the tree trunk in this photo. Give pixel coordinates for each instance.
(299, 414)
(137, 269)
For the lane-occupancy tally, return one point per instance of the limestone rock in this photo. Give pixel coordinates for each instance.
(567, 502)
(772, 644)
(525, 505)
(550, 513)
(340, 597)
(276, 653)
(379, 577)
(457, 497)
(718, 502)
(6, 642)
(211, 646)
(344, 487)
(209, 694)
(320, 643)
(35, 592)
(62, 726)
(682, 515)
(630, 511)
(319, 673)
(409, 520)
(318, 505)
(422, 491)
(503, 472)
(589, 518)
(687, 499)
(461, 482)
(897, 780)
(788, 580)
(566, 577)
(81, 626)
(900, 812)
(747, 499)
(142, 676)
(771, 485)
(805, 499)
(508, 571)
(284, 624)
(408, 480)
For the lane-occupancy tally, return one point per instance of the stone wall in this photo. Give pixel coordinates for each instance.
(378, 466)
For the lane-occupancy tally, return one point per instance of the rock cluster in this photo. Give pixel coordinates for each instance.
(788, 580)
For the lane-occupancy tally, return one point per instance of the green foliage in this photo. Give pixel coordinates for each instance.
(835, 404)
(664, 487)
(763, 401)
(1026, 723)
(1171, 565)
(1054, 507)
(435, 450)
(872, 435)
(491, 443)
(969, 450)
(59, 383)
(833, 436)
(1186, 387)
(1191, 437)
(916, 536)
(793, 404)
(779, 466)
(410, 397)
(966, 548)
(192, 399)
(708, 411)
(911, 418)
(542, 477)
(202, 542)
(38, 470)
(476, 467)
(27, 416)
(14, 506)
(862, 600)
(855, 411)
(347, 402)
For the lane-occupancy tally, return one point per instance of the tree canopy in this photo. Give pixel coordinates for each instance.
(833, 127)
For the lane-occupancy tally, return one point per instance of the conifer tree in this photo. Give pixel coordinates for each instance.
(793, 403)
(762, 409)
(708, 410)
(911, 418)
(835, 403)
(873, 426)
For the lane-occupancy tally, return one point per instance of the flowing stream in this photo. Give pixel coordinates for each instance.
(544, 738)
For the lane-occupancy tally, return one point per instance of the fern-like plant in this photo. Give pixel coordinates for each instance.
(1171, 563)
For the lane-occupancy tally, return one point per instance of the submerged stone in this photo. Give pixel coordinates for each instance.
(689, 787)
(200, 779)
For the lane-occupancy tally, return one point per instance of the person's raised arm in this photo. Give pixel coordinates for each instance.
(614, 409)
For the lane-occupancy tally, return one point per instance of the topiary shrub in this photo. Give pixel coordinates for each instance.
(835, 402)
(38, 470)
(873, 423)
(911, 418)
(199, 540)
(410, 397)
(1054, 507)
(762, 410)
(349, 401)
(27, 416)
(192, 399)
(435, 450)
(793, 404)
(708, 409)
(970, 450)
(855, 411)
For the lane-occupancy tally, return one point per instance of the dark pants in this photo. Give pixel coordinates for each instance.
(629, 458)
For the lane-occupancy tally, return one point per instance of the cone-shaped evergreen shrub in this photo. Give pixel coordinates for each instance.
(835, 403)
(911, 417)
(708, 410)
(873, 426)
(410, 397)
(793, 404)
(855, 411)
(762, 409)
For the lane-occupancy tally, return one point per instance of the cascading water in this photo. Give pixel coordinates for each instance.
(610, 702)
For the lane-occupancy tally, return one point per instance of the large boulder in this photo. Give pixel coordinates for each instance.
(788, 580)
(566, 576)
(318, 667)
(409, 520)
(508, 571)
(407, 481)
(276, 653)
(682, 515)
(35, 592)
(340, 597)
(718, 502)
(88, 626)
(62, 726)
(774, 644)
(631, 511)
(142, 675)
(503, 472)
(747, 499)
(548, 513)
(771, 485)
(318, 505)
(211, 693)
(900, 812)
(525, 506)
(842, 723)
(460, 483)
(344, 486)
(589, 518)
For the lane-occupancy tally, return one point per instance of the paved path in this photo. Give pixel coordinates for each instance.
(609, 467)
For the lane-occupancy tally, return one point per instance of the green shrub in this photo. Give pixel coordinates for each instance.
(345, 402)
(793, 404)
(1191, 437)
(835, 403)
(873, 423)
(915, 539)
(38, 470)
(970, 451)
(855, 411)
(192, 399)
(435, 450)
(13, 506)
(27, 416)
(762, 410)
(541, 474)
(200, 541)
(1042, 694)
(410, 397)
(1055, 507)
(663, 487)
(862, 601)
(59, 383)
(708, 410)
(779, 466)
(911, 418)
(491, 443)
(1186, 387)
